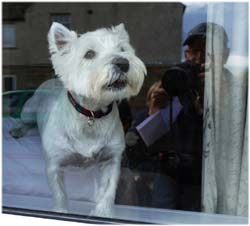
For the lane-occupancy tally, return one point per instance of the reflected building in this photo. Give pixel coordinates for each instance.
(155, 31)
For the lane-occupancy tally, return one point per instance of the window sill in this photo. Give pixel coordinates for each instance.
(38, 207)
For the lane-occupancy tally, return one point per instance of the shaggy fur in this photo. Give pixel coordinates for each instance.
(87, 67)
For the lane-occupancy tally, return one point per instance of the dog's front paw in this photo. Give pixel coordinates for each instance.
(60, 210)
(103, 211)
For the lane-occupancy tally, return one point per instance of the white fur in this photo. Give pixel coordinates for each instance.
(65, 133)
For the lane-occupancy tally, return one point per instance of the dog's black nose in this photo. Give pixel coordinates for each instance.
(121, 63)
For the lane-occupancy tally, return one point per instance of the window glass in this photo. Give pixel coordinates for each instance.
(64, 19)
(9, 36)
(126, 112)
(9, 82)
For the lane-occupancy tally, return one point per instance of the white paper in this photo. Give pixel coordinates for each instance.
(158, 124)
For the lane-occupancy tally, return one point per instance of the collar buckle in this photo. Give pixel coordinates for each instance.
(91, 120)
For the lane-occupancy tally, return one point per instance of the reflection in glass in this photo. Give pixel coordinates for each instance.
(185, 131)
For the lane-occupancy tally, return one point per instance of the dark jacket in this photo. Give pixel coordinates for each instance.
(177, 153)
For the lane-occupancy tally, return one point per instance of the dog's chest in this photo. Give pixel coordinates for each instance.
(87, 146)
(80, 160)
(69, 132)
(87, 140)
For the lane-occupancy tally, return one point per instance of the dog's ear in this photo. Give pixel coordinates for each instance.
(59, 37)
(122, 31)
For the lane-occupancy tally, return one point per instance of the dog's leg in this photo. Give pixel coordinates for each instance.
(110, 172)
(56, 182)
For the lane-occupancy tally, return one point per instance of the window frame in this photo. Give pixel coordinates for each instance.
(65, 216)
(176, 217)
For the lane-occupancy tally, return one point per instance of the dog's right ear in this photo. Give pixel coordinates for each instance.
(59, 37)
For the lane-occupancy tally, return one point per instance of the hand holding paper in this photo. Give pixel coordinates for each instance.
(158, 124)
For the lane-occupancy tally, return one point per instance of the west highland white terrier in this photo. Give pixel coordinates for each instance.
(79, 123)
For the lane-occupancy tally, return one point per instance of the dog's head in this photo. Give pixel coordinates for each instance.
(100, 65)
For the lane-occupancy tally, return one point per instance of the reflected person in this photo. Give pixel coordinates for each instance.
(186, 81)
(153, 164)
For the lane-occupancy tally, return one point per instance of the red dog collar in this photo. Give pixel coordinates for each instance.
(86, 112)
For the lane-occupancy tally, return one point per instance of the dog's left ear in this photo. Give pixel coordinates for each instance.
(122, 31)
(60, 37)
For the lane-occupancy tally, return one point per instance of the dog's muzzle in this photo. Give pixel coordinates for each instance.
(119, 76)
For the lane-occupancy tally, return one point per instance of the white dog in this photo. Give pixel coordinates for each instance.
(79, 123)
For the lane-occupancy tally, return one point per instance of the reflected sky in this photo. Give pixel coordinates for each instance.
(235, 22)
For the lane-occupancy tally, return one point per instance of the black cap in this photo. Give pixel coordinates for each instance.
(200, 31)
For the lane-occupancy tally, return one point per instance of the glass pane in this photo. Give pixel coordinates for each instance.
(8, 84)
(127, 111)
(9, 36)
(63, 19)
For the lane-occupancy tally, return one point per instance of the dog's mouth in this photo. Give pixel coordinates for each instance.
(117, 85)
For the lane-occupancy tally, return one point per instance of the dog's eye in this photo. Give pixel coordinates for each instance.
(122, 49)
(90, 54)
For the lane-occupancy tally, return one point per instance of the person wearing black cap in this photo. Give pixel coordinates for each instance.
(186, 81)
(195, 50)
